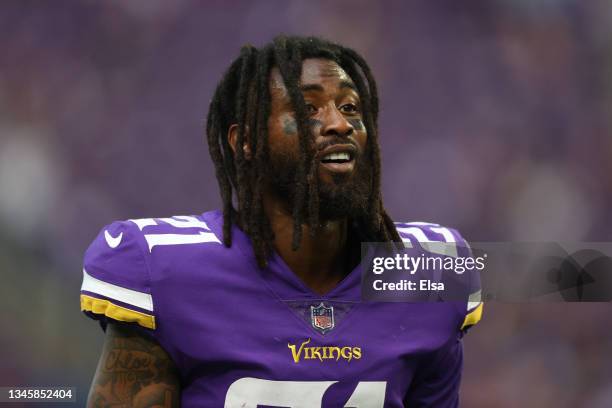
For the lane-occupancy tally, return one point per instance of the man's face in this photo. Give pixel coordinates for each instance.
(336, 123)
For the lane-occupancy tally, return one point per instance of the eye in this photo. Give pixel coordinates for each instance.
(311, 109)
(349, 108)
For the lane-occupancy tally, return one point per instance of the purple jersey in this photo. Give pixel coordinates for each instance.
(245, 337)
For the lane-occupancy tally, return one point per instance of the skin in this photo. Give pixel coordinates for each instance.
(133, 371)
(334, 109)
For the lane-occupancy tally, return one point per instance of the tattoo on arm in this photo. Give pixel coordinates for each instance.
(134, 371)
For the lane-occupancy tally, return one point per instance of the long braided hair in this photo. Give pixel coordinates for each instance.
(242, 97)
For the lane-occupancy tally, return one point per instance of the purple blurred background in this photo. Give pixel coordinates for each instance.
(494, 120)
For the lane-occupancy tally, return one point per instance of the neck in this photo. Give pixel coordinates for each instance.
(321, 260)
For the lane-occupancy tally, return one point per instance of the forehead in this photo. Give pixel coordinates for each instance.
(314, 71)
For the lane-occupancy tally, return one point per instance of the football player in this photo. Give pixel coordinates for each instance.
(259, 303)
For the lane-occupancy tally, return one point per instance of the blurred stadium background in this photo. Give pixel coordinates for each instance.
(495, 120)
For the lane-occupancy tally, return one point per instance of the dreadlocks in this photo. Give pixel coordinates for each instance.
(243, 98)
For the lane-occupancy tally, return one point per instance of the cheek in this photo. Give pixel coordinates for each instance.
(282, 126)
(357, 125)
(361, 138)
(282, 135)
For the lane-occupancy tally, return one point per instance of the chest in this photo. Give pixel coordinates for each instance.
(238, 342)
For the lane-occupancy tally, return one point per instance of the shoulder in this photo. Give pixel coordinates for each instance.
(128, 245)
(439, 240)
(424, 234)
(117, 266)
(176, 230)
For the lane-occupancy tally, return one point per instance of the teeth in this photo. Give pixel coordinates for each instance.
(337, 156)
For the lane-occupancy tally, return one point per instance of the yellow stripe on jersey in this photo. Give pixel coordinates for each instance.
(473, 317)
(109, 309)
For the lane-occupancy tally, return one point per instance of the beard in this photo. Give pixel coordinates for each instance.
(344, 196)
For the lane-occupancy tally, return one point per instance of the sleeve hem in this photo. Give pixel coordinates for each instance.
(472, 317)
(106, 308)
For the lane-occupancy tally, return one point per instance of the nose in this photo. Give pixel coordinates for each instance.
(335, 124)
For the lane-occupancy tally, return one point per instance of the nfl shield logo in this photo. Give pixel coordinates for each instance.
(322, 317)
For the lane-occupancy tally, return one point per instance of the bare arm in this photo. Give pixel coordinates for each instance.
(134, 371)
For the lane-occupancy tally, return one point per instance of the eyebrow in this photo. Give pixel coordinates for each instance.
(316, 87)
(348, 84)
(311, 87)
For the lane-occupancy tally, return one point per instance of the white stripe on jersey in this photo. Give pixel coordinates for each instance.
(474, 300)
(129, 296)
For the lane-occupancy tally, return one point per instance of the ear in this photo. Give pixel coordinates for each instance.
(232, 138)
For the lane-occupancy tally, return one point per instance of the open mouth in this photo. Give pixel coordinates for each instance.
(339, 159)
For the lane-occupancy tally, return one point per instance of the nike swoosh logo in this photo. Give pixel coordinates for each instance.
(113, 242)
